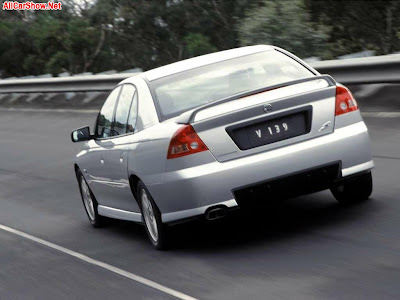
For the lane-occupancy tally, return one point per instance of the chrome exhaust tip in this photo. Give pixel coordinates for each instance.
(215, 213)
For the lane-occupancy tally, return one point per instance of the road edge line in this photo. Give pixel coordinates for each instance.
(126, 274)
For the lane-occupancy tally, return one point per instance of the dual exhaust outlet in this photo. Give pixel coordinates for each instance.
(215, 213)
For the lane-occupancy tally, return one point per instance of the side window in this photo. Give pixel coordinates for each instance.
(104, 119)
(124, 107)
(133, 114)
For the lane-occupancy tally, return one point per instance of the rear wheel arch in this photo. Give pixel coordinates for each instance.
(77, 169)
(133, 183)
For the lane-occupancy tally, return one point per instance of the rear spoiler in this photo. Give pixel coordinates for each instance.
(188, 117)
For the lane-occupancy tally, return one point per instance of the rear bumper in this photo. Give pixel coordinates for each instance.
(189, 192)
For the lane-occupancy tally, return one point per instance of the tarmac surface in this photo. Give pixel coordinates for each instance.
(306, 248)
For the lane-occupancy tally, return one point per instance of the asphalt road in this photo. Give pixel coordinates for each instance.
(305, 248)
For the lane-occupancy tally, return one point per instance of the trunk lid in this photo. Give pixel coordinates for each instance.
(267, 120)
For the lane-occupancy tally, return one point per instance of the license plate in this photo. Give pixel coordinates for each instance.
(272, 130)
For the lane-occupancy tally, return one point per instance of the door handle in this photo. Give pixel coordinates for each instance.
(123, 156)
(102, 161)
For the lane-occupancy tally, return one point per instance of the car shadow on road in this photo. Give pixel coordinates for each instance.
(272, 223)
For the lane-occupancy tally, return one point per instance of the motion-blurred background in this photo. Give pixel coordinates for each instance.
(101, 35)
(306, 248)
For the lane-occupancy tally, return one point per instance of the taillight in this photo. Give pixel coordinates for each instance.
(185, 141)
(345, 101)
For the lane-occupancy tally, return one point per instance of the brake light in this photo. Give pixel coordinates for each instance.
(345, 101)
(185, 141)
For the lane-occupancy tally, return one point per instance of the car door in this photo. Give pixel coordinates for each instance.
(99, 176)
(116, 154)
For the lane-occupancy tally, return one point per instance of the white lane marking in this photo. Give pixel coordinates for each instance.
(56, 110)
(100, 264)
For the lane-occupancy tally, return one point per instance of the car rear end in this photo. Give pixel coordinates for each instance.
(281, 140)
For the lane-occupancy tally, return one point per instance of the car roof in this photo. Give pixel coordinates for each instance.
(202, 60)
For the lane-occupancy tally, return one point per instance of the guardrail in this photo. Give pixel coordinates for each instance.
(89, 83)
(367, 70)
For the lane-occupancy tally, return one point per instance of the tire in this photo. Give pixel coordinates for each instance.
(89, 202)
(156, 230)
(354, 190)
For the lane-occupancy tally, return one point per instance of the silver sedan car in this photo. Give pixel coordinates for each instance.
(232, 129)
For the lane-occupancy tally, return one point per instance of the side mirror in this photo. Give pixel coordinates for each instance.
(81, 134)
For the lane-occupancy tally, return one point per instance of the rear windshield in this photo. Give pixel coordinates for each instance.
(186, 90)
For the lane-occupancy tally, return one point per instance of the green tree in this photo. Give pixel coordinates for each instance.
(358, 25)
(198, 44)
(98, 35)
(285, 24)
(15, 43)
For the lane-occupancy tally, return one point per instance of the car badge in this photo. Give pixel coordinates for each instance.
(267, 108)
(324, 126)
